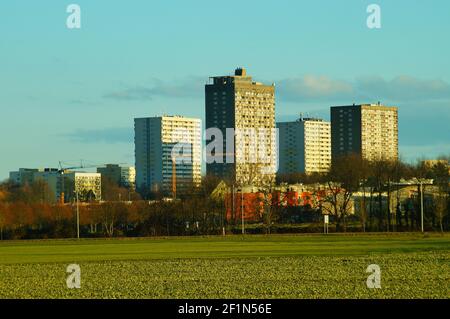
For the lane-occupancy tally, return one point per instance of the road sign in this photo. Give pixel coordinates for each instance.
(325, 224)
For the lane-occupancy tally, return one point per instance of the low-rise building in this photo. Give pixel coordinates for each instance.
(52, 178)
(22, 176)
(87, 187)
(62, 185)
(123, 176)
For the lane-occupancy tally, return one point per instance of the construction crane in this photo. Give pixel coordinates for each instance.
(62, 169)
(81, 166)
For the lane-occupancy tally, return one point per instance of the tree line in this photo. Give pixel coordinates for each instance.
(26, 212)
(378, 182)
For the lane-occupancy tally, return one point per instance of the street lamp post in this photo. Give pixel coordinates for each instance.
(242, 211)
(418, 182)
(233, 203)
(78, 216)
(421, 204)
(421, 183)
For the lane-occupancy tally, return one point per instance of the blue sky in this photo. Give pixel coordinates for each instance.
(72, 94)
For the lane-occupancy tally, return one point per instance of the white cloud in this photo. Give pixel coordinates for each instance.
(314, 87)
(307, 88)
(188, 87)
(363, 89)
(403, 88)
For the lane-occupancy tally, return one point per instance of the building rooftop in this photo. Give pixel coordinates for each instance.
(367, 105)
(166, 116)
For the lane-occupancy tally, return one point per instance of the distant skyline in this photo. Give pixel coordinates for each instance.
(73, 94)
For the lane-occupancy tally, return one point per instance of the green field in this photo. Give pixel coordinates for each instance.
(276, 266)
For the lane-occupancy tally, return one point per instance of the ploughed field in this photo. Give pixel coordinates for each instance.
(273, 266)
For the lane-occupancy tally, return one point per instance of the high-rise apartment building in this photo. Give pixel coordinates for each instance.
(370, 130)
(244, 112)
(304, 146)
(167, 147)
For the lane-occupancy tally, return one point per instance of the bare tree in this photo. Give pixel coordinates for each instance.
(3, 213)
(441, 176)
(380, 171)
(268, 208)
(440, 208)
(112, 214)
(344, 179)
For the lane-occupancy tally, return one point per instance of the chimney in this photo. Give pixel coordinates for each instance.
(240, 72)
